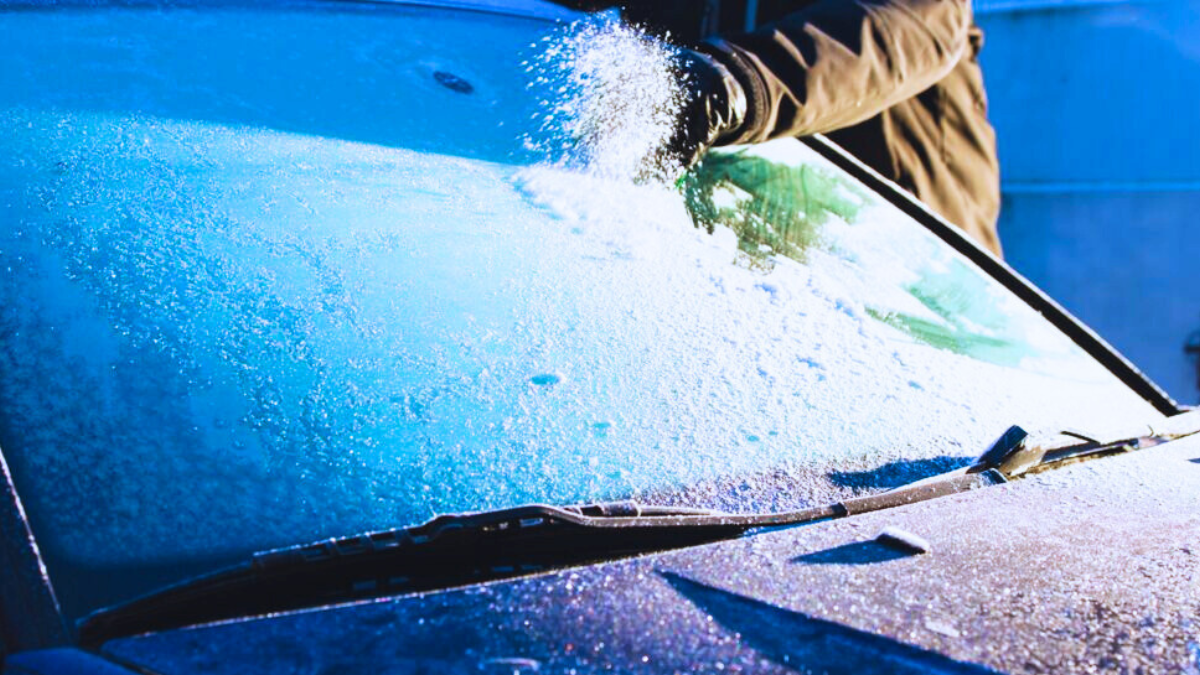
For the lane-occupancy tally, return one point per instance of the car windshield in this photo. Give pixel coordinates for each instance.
(275, 275)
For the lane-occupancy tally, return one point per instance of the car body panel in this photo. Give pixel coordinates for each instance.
(1091, 568)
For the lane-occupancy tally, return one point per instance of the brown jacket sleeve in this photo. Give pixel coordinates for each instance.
(836, 63)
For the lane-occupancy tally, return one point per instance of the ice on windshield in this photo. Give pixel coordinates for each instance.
(241, 311)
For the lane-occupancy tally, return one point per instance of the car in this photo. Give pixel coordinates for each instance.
(312, 360)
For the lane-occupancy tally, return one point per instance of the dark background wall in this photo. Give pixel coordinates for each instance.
(1097, 110)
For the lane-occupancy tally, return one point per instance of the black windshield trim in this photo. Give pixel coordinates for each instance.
(1056, 314)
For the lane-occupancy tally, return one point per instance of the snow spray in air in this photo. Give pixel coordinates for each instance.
(608, 100)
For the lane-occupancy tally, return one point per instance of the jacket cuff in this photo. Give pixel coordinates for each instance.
(745, 75)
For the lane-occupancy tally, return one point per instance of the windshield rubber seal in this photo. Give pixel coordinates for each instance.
(1056, 314)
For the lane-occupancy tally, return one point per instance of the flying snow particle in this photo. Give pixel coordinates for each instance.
(609, 98)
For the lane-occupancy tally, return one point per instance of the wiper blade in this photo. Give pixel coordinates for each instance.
(454, 550)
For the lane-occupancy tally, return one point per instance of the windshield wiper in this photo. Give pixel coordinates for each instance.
(454, 550)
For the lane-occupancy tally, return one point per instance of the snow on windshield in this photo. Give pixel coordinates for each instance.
(252, 325)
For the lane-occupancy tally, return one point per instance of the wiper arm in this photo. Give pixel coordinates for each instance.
(454, 550)
(1018, 453)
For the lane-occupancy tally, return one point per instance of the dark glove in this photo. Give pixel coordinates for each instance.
(714, 107)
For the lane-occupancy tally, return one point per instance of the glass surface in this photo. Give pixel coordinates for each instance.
(272, 276)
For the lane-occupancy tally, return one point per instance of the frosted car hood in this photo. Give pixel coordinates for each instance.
(1090, 568)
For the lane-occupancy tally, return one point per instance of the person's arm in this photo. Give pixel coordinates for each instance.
(839, 62)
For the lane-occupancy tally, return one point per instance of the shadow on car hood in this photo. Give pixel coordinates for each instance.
(1092, 567)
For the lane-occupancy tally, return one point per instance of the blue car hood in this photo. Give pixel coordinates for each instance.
(1090, 568)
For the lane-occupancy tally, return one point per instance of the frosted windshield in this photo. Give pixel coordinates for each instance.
(276, 276)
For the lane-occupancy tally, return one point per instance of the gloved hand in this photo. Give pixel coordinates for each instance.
(714, 107)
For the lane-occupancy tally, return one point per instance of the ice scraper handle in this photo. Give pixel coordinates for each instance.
(714, 107)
